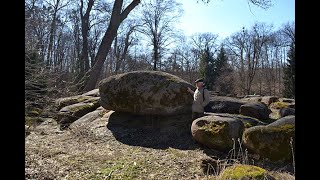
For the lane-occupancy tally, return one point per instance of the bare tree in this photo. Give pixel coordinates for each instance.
(75, 29)
(78, 39)
(98, 21)
(56, 5)
(158, 17)
(259, 37)
(264, 4)
(123, 41)
(246, 46)
(204, 43)
(85, 28)
(94, 43)
(117, 16)
(37, 25)
(184, 59)
(288, 31)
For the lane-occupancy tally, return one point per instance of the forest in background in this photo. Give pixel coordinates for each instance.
(70, 45)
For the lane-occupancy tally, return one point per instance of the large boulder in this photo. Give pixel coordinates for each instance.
(284, 103)
(287, 111)
(246, 120)
(146, 93)
(272, 141)
(217, 132)
(255, 109)
(288, 120)
(223, 104)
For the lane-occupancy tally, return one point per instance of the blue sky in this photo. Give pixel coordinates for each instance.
(224, 17)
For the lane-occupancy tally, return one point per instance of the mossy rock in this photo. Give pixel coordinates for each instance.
(146, 93)
(32, 121)
(88, 118)
(287, 111)
(256, 109)
(287, 120)
(272, 141)
(63, 102)
(94, 93)
(243, 172)
(269, 99)
(274, 115)
(33, 111)
(71, 113)
(223, 104)
(217, 132)
(246, 120)
(279, 105)
(252, 99)
(287, 100)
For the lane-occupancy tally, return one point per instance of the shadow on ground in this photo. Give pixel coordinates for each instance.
(175, 132)
(153, 131)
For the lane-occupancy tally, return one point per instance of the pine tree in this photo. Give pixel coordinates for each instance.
(289, 74)
(203, 66)
(207, 68)
(221, 61)
(211, 68)
(224, 80)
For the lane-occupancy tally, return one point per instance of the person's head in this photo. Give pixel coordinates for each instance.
(199, 83)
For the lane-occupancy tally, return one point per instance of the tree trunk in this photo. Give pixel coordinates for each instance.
(155, 54)
(84, 57)
(100, 57)
(116, 52)
(127, 43)
(51, 36)
(116, 18)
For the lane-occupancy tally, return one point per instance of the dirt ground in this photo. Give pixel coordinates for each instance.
(100, 151)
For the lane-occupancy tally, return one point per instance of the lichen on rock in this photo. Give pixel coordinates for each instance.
(71, 113)
(217, 132)
(146, 93)
(271, 141)
(66, 101)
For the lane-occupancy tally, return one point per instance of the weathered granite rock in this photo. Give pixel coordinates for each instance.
(255, 109)
(146, 93)
(217, 132)
(272, 141)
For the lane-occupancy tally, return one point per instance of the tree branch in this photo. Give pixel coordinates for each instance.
(129, 8)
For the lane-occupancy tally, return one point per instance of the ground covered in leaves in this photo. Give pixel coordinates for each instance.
(99, 151)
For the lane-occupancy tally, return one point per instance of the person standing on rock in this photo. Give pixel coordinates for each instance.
(198, 102)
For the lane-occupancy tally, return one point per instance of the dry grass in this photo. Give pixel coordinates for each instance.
(96, 152)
